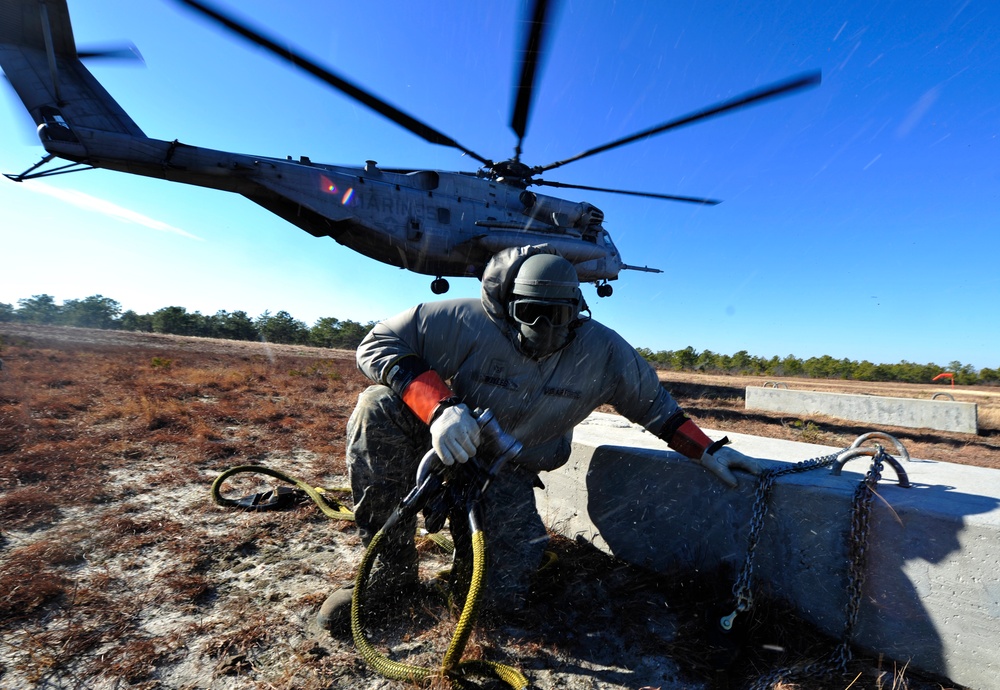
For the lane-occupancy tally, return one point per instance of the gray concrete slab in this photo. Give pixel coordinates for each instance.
(932, 595)
(944, 415)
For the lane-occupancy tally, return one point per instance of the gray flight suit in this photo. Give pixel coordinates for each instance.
(474, 347)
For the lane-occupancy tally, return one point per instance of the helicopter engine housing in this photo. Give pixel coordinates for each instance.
(561, 213)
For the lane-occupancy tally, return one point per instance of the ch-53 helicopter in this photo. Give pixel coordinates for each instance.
(433, 222)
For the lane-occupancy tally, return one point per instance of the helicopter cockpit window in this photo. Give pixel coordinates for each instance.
(444, 215)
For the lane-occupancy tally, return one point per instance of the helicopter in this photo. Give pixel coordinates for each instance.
(432, 222)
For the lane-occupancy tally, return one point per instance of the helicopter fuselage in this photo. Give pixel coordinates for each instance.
(431, 222)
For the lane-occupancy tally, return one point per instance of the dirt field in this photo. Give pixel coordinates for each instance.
(117, 571)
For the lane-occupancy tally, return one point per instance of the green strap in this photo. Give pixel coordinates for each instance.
(450, 666)
(331, 508)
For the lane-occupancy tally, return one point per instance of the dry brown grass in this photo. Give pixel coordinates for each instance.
(989, 418)
(717, 402)
(93, 441)
(117, 571)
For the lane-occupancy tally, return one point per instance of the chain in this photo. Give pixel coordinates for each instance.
(742, 589)
(861, 504)
(861, 508)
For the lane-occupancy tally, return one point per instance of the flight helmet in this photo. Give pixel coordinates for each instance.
(544, 303)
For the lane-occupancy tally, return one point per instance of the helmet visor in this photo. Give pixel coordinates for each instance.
(531, 312)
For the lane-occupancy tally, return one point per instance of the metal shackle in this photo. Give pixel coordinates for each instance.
(495, 443)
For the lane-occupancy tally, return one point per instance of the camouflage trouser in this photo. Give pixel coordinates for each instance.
(385, 442)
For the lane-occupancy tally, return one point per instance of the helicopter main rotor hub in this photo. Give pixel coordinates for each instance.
(512, 172)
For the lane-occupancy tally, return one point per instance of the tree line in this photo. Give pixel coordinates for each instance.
(825, 367)
(98, 311)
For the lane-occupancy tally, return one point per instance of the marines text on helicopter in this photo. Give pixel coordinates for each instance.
(433, 222)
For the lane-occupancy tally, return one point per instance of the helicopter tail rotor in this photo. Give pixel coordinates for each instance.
(127, 52)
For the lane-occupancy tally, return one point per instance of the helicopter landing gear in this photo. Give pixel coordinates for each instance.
(604, 290)
(439, 286)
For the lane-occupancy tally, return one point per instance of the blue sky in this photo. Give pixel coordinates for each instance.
(859, 219)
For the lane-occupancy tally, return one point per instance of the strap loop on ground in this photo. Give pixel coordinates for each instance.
(330, 507)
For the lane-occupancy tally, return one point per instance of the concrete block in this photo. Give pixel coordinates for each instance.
(944, 415)
(932, 594)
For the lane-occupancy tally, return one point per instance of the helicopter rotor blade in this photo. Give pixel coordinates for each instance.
(775, 90)
(128, 51)
(651, 195)
(532, 52)
(409, 122)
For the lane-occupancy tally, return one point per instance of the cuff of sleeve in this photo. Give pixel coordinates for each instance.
(425, 393)
(689, 440)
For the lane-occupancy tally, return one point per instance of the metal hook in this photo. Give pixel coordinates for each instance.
(855, 451)
(864, 438)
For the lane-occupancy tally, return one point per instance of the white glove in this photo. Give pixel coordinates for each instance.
(455, 434)
(727, 459)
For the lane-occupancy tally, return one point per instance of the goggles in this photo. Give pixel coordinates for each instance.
(530, 312)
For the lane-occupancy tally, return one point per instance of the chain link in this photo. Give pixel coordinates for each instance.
(742, 589)
(861, 508)
(861, 503)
